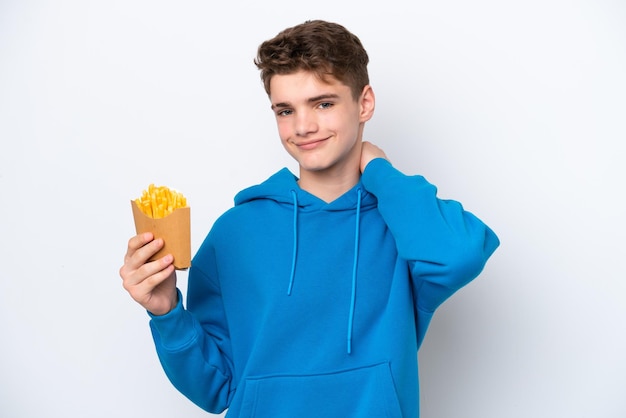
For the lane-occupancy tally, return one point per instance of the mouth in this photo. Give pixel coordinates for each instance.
(309, 145)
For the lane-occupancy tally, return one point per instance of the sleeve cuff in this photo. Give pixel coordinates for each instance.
(176, 328)
(376, 172)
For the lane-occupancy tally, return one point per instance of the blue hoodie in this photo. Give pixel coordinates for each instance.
(301, 308)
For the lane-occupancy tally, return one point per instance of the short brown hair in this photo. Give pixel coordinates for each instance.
(324, 48)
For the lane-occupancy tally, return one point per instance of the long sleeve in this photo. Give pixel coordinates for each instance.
(446, 247)
(193, 345)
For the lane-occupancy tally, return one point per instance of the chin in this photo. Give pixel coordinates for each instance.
(308, 165)
(313, 168)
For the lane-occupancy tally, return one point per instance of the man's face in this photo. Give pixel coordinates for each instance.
(319, 123)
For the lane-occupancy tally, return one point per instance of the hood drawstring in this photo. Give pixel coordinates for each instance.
(354, 268)
(295, 242)
(354, 263)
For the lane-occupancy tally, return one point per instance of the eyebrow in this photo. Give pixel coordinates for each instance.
(310, 100)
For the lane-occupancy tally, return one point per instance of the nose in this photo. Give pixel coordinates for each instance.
(306, 123)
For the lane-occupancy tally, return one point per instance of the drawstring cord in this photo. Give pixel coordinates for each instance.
(354, 268)
(354, 264)
(295, 242)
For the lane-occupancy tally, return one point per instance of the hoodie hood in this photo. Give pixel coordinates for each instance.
(283, 188)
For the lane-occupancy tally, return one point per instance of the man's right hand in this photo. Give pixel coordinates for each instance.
(151, 284)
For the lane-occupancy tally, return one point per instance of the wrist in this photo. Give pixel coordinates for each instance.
(166, 307)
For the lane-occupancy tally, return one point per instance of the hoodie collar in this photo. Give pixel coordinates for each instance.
(279, 187)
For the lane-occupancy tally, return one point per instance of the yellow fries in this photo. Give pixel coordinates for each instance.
(159, 201)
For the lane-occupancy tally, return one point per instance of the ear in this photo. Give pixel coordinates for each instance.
(367, 103)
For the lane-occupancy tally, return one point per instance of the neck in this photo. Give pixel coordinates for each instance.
(328, 186)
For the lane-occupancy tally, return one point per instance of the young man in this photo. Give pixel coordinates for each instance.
(311, 296)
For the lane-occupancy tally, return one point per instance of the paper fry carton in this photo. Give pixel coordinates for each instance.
(174, 229)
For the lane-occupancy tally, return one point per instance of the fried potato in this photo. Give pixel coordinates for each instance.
(159, 201)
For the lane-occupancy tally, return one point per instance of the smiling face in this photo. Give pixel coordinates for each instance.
(320, 123)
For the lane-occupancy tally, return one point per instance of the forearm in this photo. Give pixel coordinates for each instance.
(192, 359)
(446, 244)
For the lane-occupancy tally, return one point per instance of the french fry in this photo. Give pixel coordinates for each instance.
(159, 201)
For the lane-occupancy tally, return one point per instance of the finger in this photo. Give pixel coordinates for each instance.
(156, 266)
(158, 277)
(143, 290)
(143, 254)
(139, 241)
(135, 260)
(133, 277)
(135, 243)
(138, 253)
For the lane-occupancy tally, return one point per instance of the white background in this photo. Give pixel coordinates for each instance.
(517, 109)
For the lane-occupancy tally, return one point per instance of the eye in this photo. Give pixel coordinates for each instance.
(325, 105)
(284, 112)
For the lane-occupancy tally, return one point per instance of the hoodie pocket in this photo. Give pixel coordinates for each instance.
(363, 392)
